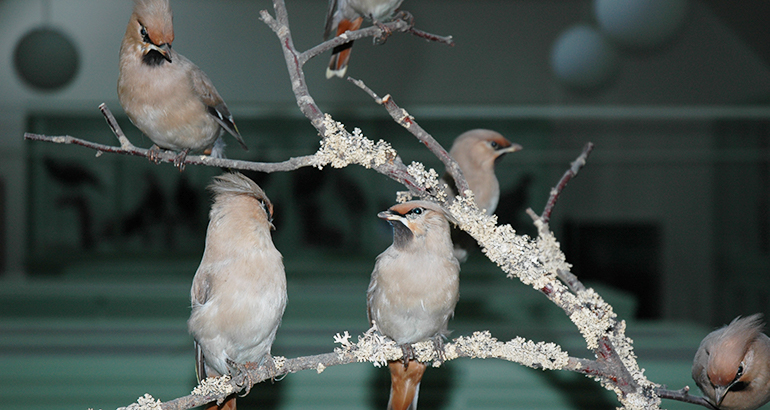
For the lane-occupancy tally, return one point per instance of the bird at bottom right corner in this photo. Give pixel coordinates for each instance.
(476, 153)
(732, 365)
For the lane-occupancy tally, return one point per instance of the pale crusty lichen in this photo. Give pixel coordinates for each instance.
(340, 148)
(426, 178)
(519, 350)
(516, 255)
(146, 402)
(403, 196)
(425, 352)
(212, 386)
(320, 368)
(372, 347)
(279, 362)
(638, 401)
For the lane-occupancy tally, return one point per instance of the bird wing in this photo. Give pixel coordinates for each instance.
(330, 25)
(215, 105)
(201, 287)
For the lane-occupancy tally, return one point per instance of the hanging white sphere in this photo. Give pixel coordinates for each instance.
(582, 58)
(640, 23)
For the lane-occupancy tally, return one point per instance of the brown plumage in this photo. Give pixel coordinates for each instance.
(164, 94)
(239, 291)
(344, 15)
(414, 289)
(476, 152)
(732, 365)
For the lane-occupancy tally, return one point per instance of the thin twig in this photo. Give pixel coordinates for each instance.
(113, 123)
(402, 117)
(169, 156)
(448, 40)
(684, 395)
(568, 175)
(376, 31)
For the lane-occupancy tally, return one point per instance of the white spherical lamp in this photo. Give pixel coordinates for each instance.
(582, 58)
(640, 23)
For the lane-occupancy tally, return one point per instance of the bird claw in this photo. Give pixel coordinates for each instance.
(179, 159)
(408, 352)
(405, 16)
(269, 363)
(438, 345)
(386, 32)
(241, 371)
(154, 154)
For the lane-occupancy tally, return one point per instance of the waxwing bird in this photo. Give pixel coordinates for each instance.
(732, 365)
(476, 152)
(239, 291)
(347, 15)
(165, 95)
(414, 289)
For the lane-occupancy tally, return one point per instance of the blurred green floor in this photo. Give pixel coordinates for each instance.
(101, 336)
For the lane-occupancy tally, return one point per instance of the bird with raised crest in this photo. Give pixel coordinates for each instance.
(732, 365)
(164, 94)
(238, 293)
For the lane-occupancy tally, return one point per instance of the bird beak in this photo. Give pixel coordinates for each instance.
(163, 49)
(719, 393)
(512, 148)
(389, 216)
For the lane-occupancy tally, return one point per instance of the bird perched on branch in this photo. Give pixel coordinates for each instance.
(348, 15)
(732, 365)
(413, 290)
(239, 291)
(165, 95)
(476, 152)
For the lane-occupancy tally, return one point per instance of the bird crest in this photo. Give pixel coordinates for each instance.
(156, 18)
(728, 352)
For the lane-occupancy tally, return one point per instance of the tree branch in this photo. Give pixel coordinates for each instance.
(537, 262)
(403, 118)
(683, 395)
(568, 175)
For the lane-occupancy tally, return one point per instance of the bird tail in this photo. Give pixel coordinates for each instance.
(405, 384)
(338, 64)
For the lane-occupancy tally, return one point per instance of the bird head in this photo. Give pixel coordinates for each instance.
(235, 183)
(481, 147)
(729, 359)
(151, 29)
(416, 220)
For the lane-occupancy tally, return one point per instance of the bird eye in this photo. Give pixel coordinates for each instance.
(416, 211)
(266, 207)
(494, 144)
(145, 36)
(740, 371)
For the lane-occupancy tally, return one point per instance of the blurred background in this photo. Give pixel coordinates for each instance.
(668, 221)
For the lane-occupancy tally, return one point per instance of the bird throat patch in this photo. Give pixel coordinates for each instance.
(153, 58)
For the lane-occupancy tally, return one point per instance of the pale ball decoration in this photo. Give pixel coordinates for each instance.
(46, 59)
(583, 58)
(640, 23)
